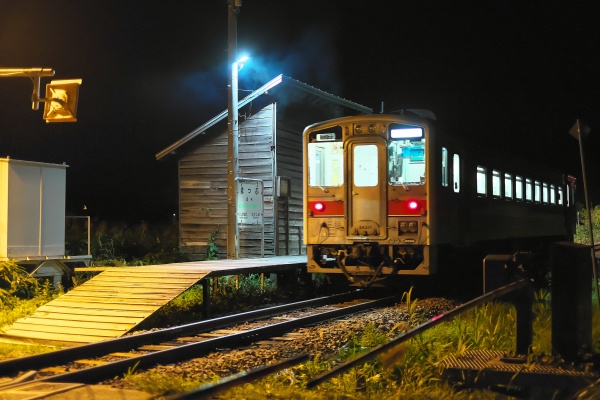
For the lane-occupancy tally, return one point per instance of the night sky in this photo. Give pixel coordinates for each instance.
(518, 72)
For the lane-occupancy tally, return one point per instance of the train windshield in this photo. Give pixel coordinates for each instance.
(326, 159)
(406, 155)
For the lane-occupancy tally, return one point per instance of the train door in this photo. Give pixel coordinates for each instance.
(366, 185)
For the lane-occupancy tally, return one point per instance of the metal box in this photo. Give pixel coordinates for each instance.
(32, 210)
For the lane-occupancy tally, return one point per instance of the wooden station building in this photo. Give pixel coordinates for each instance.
(272, 119)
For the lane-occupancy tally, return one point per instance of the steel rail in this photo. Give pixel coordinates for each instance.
(70, 354)
(341, 368)
(187, 351)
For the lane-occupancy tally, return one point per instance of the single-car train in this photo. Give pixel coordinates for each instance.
(391, 195)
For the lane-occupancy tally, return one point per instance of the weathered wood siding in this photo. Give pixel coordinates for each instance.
(203, 182)
(289, 165)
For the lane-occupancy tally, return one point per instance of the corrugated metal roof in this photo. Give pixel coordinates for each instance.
(280, 79)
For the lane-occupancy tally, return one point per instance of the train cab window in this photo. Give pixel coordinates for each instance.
(537, 191)
(519, 188)
(496, 184)
(444, 167)
(552, 194)
(560, 196)
(508, 189)
(406, 155)
(481, 181)
(325, 163)
(545, 193)
(366, 166)
(456, 172)
(528, 190)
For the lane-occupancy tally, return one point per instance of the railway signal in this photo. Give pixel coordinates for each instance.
(60, 103)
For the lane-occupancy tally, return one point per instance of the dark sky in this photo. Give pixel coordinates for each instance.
(516, 71)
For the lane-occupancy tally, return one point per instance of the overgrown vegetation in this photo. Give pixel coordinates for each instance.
(582, 234)
(122, 244)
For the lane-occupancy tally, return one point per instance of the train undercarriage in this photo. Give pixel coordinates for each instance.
(365, 263)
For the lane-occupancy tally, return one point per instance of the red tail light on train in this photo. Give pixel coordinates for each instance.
(318, 206)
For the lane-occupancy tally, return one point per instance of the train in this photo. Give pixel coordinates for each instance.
(395, 195)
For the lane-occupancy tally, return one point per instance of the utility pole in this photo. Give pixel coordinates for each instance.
(233, 7)
(577, 131)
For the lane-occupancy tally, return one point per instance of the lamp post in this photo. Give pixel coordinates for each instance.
(233, 8)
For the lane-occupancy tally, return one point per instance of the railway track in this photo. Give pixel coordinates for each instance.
(94, 363)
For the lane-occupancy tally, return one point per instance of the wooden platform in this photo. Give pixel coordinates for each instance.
(119, 298)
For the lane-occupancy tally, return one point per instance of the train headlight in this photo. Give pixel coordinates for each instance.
(372, 128)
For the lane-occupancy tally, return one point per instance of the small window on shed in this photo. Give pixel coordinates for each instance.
(519, 187)
(552, 194)
(481, 181)
(537, 191)
(456, 172)
(528, 190)
(496, 183)
(508, 189)
(444, 167)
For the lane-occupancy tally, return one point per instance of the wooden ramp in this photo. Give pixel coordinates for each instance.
(116, 300)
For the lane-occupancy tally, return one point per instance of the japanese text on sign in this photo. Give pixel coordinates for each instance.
(249, 202)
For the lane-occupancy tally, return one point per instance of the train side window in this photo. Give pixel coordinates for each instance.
(496, 184)
(528, 190)
(444, 167)
(456, 172)
(545, 193)
(552, 194)
(519, 187)
(481, 181)
(560, 196)
(537, 191)
(508, 189)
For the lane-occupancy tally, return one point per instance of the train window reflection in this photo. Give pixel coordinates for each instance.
(508, 194)
(496, 183)
(366, 166)
(560, 196)
(456, 172)
(406, 161)
(444, 167)
(552, 194)
(545, 192)
(325, 164)
(537, 191)
(519, 187)
(528, 190)
(481, 181)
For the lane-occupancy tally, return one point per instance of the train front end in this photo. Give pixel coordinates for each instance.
(366, 197)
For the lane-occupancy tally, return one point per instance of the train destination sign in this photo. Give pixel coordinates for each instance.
(250, 201)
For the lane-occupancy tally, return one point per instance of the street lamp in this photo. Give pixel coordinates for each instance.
(60, 103)
(233, 8)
